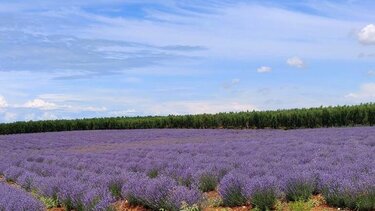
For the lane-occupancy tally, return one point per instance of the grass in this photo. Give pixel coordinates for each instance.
(300, 206)
(49, 202)
(186, 207)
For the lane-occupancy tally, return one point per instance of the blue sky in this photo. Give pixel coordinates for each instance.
(75, 58)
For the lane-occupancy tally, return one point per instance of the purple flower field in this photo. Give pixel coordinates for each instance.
(161, 168)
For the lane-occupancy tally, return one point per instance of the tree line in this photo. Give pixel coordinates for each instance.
(336, 116)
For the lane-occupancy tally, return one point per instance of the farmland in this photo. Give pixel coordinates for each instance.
(167, 168)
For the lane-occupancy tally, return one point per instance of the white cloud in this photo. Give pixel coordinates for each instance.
(128, 112)
(30, 116)
(248, 39)
(89, 108)
(295, 62)
(59, 97)
(366, 92)
(223, 32)
(232, 83)
(236, 81)
(40, 116)
(264, 69)
(3, 102)
(40, 104)
(10, 116)
(44, 104)
(367, 35)
(371, 73)
(48, 116)
(199, 107)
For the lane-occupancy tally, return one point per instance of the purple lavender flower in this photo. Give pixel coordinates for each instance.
(234, 190)
(12, 199)
(88, 169)
(180, 194)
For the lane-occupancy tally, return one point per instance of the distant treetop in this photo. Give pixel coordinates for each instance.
(336, 116)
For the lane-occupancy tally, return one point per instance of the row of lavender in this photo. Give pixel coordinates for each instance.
(14, 199)
(163, 168)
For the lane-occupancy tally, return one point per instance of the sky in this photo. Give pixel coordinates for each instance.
(80, 59)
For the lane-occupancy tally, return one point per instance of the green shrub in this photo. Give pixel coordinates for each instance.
(115, 189)
(366, 201)
(337, 198)
(264, 199)
(153, 173)
(187, 182)
(361, 201)
(133, 200)
(208, 182)
(234, 197)
(299, 190)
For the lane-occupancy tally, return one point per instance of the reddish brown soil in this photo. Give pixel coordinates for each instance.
(125, 206)
(244, 208)
(214, 195)
(322, 204)
(2, 179)
(323, 208)
(56, 209)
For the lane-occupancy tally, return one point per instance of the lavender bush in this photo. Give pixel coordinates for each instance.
(233, 189)
(12, 199)
(264, 199)
(299, 189)
(162, 168)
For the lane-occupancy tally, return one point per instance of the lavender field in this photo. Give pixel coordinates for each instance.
(166, 168)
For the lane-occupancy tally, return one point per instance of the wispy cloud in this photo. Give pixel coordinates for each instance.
(69, 59)
(127, 112)
(40, 104)
(3, 102)
(10, 116)
(231, 83)
(264, 69)
(367, 35)
(44, 105)
(366, 55)
(199, 107)
(81, 57)
(296, 62)
(366, 92)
